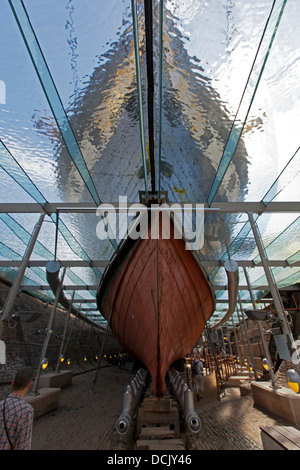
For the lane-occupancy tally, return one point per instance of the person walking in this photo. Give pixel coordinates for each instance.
(198, 379)
(16, 415)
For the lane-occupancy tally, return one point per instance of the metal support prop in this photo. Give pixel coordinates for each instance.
(185, 399)
(237, 345)
(223, 342)
(229, 341)
(211, 346)
(80, 331)
(275, 295)
(17, 282)
(232, 271)
(49, 331)
(102, 349)
(131, 400)
(261, 332)
(248, 339)
(71, 331)
(64, 334)
(243, 339)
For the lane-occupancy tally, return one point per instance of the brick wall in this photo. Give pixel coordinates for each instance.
(24, 339)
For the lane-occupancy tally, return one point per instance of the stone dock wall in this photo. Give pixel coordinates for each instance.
(24, 339)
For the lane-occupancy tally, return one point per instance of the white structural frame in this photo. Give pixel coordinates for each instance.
(222, 207)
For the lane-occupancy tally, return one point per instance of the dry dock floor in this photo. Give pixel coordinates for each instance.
(85, 419)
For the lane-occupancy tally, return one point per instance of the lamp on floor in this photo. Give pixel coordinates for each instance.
(265, 363)
(44, 363)
(293, 380)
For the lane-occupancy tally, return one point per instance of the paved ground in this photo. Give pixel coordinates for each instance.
(85, 420)
(232, 423)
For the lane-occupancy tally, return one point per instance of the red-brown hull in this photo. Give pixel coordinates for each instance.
(155, 292)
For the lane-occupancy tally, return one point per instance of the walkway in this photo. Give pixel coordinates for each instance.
(86, 421)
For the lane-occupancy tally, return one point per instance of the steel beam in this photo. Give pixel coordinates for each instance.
(232, 272)
(64, 264)
(103, 263)
(49, 331)
(95, 287)
(64, 334)
(261, 332)
(227, 207)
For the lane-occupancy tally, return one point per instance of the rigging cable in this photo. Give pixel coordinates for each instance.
(150, 85)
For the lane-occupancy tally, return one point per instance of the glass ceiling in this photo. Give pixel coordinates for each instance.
(74, 132)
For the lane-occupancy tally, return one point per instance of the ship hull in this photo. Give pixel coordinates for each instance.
(157, 296)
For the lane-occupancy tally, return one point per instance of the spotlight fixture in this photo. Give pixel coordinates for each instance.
(44, 363)
(62, 358)
(68, 362)
(258, 315)
(251, 366)
(293, 380)
(84, 358)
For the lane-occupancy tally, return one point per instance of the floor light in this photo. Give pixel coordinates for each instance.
(293, 380)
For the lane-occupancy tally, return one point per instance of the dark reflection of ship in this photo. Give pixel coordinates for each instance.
(194, 130)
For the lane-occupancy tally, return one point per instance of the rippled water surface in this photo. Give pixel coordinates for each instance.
(209, 49)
